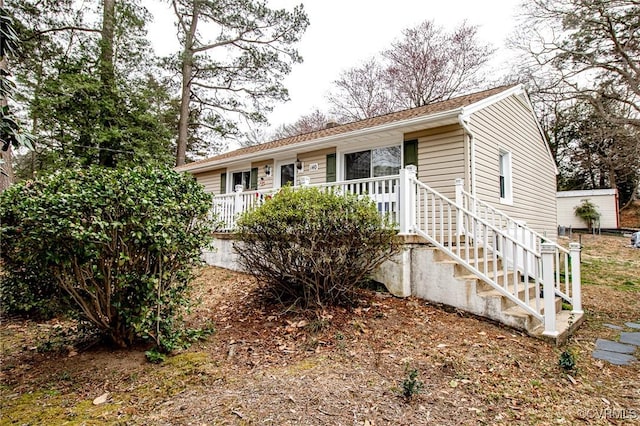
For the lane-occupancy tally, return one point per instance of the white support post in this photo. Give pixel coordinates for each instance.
(237, 205)
(549, 291)
(407, 200)
(460, 204)
(576, 284)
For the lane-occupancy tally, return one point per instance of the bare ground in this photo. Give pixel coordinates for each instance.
(264, 365)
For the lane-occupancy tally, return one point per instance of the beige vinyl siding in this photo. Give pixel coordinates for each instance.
(441, 157)
(210, 180)
(318, 157)
(264, 181)
(510, 126)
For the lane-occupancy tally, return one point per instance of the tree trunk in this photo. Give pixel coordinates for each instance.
(6, 167)
(6, 174)
(187, 75)
(107, 81)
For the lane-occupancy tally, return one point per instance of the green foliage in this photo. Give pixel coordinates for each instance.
(87, 108)
(588, 212)
(411, 385)
(313, 247)
(155, 357)
(567, 360)
(121, 243)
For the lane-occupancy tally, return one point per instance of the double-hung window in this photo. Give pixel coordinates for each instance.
(506, 193)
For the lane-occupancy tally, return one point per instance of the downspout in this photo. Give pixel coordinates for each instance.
(472, 156)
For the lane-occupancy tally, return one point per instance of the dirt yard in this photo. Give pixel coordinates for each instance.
(266, 365)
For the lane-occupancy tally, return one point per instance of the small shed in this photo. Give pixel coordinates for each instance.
(605, 200)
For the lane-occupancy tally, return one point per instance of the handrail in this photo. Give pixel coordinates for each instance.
(509, 219)
(383, 190)
(563, 256)
(528, 261)
(453, 211)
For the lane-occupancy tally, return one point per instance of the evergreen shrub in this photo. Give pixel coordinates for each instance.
(120, 243)
(314, 247)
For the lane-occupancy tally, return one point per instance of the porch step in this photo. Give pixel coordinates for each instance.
(567, 323)
(499, 307)
(443, 257)
(516, 310)
(499, 277)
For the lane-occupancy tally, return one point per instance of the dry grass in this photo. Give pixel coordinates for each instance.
(266, 365)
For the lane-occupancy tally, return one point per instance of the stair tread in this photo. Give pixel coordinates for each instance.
(532, 304)
(490, 274)
(492, 292)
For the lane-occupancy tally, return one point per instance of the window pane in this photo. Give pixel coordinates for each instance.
(287, 174)
(505, 175)
(386, 161)
(358, 165)
(241, 178)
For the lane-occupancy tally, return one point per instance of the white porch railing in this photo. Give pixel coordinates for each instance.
(384, 191)
(515, 260)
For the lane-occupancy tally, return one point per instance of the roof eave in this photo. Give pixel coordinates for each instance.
(432, 118)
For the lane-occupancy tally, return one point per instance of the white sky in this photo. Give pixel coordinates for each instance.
(343, 33)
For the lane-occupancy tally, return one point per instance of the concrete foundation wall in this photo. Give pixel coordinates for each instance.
(221, 253)
(418, 270)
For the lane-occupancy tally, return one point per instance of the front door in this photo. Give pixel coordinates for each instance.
(287, 174)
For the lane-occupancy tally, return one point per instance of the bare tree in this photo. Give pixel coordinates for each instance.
(235, 54)
(428, 64)
(316, 120)
(361, 92)
(587, 49)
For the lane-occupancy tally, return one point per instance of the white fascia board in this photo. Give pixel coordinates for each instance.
(586, 193)
(477, 106)
(453, 114)
(522, 97)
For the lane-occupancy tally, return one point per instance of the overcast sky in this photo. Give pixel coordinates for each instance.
(343, 33)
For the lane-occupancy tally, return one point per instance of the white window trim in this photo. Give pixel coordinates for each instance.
(508, 176)
(341, 163)
(243, 168)
(276, 179)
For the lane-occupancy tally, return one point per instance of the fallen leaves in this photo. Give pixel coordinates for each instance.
(101, 399)
(265, 361)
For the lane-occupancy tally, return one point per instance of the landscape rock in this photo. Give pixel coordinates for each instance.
(632, 338)
(608, 345)
(614, 357)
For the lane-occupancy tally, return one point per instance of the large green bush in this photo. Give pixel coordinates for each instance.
(314, 247)
(121, 244)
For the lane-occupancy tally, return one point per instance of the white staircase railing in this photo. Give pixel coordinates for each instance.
(513, 266)
(566, 277)
(513, 259)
